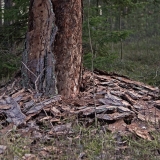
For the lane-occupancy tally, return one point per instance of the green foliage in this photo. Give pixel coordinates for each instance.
(84, 143)
(117, 36)
(12, 33)
(9, 64)
(100, 61)
(14, 22)
(129, 28)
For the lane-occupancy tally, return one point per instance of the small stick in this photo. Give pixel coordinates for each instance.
(29, 69)
(37, 81)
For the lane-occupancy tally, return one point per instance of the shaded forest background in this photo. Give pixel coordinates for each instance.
(125, 37)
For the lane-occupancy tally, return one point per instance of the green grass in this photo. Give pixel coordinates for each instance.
(140, 62)
(17, 146)
(90, 143)
(9, 65)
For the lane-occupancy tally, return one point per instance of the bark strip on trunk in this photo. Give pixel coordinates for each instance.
(38, 60)
(68, 46)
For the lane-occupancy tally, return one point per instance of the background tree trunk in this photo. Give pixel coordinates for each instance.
(0, 16)
(7, 6)
(68, 46)
(38, 60)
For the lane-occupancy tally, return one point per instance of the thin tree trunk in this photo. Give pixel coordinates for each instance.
(121, 41)
(97, 6)
(68, 46)
(1, 15)
(7, 5)
(38, 60)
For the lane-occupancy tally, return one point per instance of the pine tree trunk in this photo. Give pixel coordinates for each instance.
(68, 46)
(38, 59)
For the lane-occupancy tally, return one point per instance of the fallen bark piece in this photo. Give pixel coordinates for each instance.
(12, 111)
(113, 97)
(157, 104)
(131, 83)
(119, 125)
(5, 106)
(16, 116)
(66, 108)
(26, 97)
(38, 107)
(124, 115)
(19, 93)
(30, 157)
(108, 101)
(110, 84)
(55, 111)
(152, 89)
(139, 131)
(148, 118)
(4, 130)
(52, 100)
(36, 134)
(2, 101)
(115, 116)
(138, 107)
(2, 149)
(50, 148)
(100, 109)
(125, 103)
(128, 99)
(35, 109)
(122, 109)
(106, 117)
(28, 105)
(7, 99)
(61, 129)
(18, 99)
(86, 111)
(106, 108)
(116, 93)
(133, 95)
(45, 118)
(124, 85)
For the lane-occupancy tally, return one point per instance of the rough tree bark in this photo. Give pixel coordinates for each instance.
(38, 60)
(68, 46)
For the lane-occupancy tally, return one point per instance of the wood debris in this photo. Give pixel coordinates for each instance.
(2, 149)
(121, 103)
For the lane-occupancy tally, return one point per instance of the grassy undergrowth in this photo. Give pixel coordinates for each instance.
(9, 64)
(84, 143)
(138, 62)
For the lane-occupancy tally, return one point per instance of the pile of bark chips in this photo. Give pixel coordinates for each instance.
(116, 102)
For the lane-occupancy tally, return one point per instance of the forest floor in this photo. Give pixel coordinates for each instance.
(112, 118)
